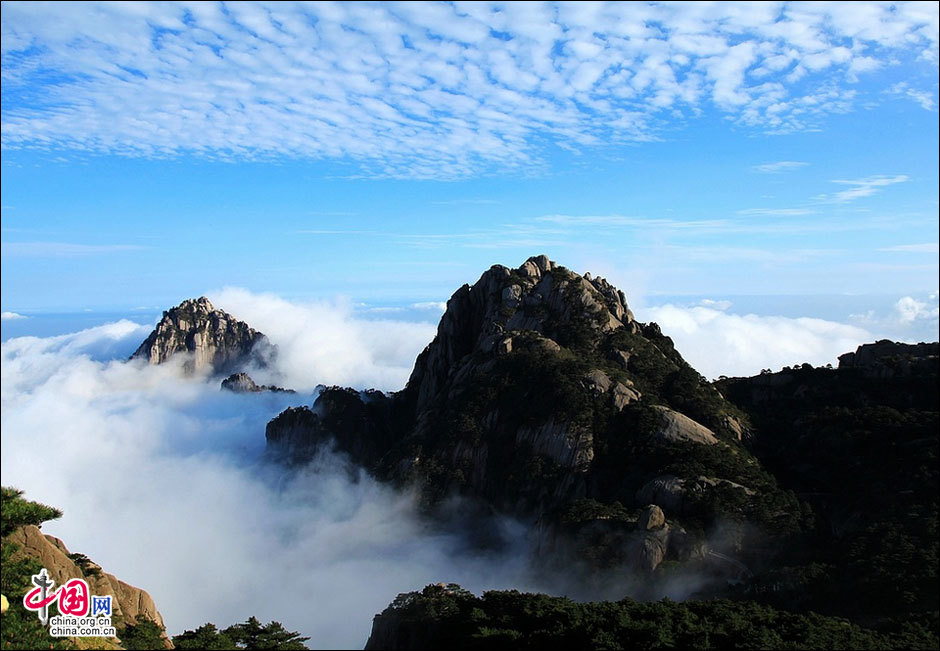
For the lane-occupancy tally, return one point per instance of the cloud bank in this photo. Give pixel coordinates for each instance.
(717, 343)
(437, 89)
(159, 479)
(327, 343)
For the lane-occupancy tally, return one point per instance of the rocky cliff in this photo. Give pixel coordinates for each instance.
(242, 383)
(887, 359)
(541, 395)
(129, 603)
(213, 339)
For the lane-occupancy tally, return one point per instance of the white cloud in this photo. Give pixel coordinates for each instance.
(777, 212)
(439, 306)
(859, 188)
(911, 318)
(430, 90)
(715, 305)
(326, 343)
(718, 343)
(924, 98)
(159, 479)
(779, 166)
(11, 316)
(926, 247)
(909, 309)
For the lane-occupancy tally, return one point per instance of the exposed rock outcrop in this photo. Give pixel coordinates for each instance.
(539, 393)
(129, 603)
(652, 517)
(213, 339)
(539, 297)
(887, 359)
(675, 427)
(242, 383)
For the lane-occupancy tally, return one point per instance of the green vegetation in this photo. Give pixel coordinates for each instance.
(145, 634)
(18, 512)
(448, 617)
(85, 564)
(21, 628)
(251, 634)
(206, 636)
(664, 377)
(863, 452)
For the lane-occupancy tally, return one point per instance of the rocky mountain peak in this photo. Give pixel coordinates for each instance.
(541, 395)
(539, 297)
(215, 339)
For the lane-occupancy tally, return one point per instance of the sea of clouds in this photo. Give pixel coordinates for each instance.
(159, 477)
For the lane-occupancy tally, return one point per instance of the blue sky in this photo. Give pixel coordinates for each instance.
(153, 152)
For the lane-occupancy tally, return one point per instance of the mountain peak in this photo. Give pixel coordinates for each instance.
(201, 303)
(215, 339)
(540, 297)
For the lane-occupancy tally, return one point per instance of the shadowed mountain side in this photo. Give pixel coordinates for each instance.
(860, 444)
(541, 396)
(448, 617)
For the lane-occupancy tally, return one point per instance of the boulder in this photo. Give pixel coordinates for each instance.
(651, 517)
(623, 395)
(597, 382)
(675, 427)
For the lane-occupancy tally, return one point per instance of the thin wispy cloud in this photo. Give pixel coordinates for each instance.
(777, 212)
(779, 166)
(922, 97)
(62, 249)
(337, 232)
(926, 247)
(631, 221)
(431, 90)
(439, 306)
(722, 254)
(11, 316)
(860, 188)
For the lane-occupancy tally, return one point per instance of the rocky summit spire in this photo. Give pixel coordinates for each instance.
(215, 339)
(539, 297)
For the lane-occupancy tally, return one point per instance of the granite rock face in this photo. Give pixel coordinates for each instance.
(129, 602)
(538, 298)
(676, 427)
(213, 339)
(540, 394)
(887, 359)
(242, 383)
